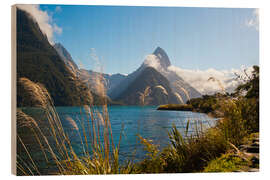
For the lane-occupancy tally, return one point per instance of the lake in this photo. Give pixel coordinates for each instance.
(131, 121)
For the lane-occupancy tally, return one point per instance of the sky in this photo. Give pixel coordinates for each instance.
(121, 37)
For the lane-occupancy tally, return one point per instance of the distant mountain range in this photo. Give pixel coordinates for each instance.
(126, 89)
(88, 76)
(53, 67)
(177, 89)
(109, 81)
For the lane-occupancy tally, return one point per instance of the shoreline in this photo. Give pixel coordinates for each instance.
(188, 107)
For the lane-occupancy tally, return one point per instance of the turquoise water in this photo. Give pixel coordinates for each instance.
(131, 121)
(126, 120)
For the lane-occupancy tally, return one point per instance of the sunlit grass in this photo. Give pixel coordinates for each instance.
(101, 156)
(204, 150)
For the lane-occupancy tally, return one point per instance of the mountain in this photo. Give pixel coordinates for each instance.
(39, 62)
(163, 57)
(160, 61)
(66, 57)
(109, 81)
(88, 76)
(116, 91)
(113, 80)
(160, 91)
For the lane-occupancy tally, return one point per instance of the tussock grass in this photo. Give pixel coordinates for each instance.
(101, 156)
(186, 152)
(192, 153)
(144, 96)
(179, 98)
(163, 90)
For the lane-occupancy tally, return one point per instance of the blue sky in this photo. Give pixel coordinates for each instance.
(194, 38)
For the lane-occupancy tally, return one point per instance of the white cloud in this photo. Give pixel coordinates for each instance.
(199, 79)
(45, 22)
(254, 21)
(152, 60)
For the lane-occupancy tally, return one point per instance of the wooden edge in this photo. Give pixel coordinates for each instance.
(13, 90)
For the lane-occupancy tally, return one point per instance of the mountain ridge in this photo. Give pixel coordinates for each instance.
(165, 61)
(39, 62)
(160, 61)
(88, 76)
(159, 88)
(66, 57)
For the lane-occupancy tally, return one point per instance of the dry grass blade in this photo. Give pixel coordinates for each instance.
(219, 84)
(143, 96)
(183, 89)
(162, 89)
(20, 167)
(33, 163)
(25, 165)
(186, 93)
(179, 98)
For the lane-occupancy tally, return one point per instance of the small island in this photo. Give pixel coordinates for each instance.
(176, 107)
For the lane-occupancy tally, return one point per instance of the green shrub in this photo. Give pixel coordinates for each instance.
(227, 163)
(185, 153)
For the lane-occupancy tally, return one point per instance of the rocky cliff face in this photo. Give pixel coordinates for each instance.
(163, 57)
(89, 77)
(66, 57)
(39, 62)
(160, 61)
(109, 81)
(157, 87)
